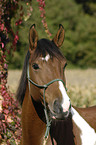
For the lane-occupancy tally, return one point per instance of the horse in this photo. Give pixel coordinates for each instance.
(47, 114)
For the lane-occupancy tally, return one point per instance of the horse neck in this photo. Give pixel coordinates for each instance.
(84, 125)
(33, 128)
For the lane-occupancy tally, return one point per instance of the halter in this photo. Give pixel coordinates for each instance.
(48, 122)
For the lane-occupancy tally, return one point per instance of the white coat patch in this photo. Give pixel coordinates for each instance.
(88, 135)
(46, 58)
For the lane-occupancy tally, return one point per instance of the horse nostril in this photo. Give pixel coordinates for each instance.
(57, 108)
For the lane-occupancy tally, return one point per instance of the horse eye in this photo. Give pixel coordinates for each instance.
(35, 66)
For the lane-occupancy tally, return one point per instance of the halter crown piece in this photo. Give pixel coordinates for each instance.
(48, 122)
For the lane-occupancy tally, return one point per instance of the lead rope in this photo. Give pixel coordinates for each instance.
(47, 120)
(48, 123)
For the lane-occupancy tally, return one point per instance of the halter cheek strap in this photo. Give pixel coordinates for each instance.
(48, 122)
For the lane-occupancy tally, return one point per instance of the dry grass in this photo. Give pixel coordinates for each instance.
(13, 79)
(81, 85)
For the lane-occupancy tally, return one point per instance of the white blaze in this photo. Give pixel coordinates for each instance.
(66, 100)
(46, 58)
(88, 135)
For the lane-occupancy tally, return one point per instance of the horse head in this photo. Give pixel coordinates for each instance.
(46, 64)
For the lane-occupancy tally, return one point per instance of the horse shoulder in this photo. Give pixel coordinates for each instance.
(84, 125)
(88, 114)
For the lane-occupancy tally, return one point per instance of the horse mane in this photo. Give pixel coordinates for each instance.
(44, 46)
(23, 81)
(62, 131)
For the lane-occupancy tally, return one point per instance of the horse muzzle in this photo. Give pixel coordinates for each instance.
(58, 112)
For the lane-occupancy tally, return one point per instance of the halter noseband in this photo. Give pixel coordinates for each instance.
(48, 123)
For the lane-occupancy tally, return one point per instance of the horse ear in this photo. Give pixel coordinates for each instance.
(33, 38)
(59, 37)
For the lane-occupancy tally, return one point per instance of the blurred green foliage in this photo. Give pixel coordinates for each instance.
(79, 21)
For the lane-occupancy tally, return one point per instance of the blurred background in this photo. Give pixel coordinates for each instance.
(79, 20)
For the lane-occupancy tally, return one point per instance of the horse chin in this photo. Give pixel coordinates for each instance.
(60, 116)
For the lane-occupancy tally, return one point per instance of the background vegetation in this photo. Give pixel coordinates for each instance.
(79, 20)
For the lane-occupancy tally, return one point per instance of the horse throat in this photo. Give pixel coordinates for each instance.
(39, 109)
